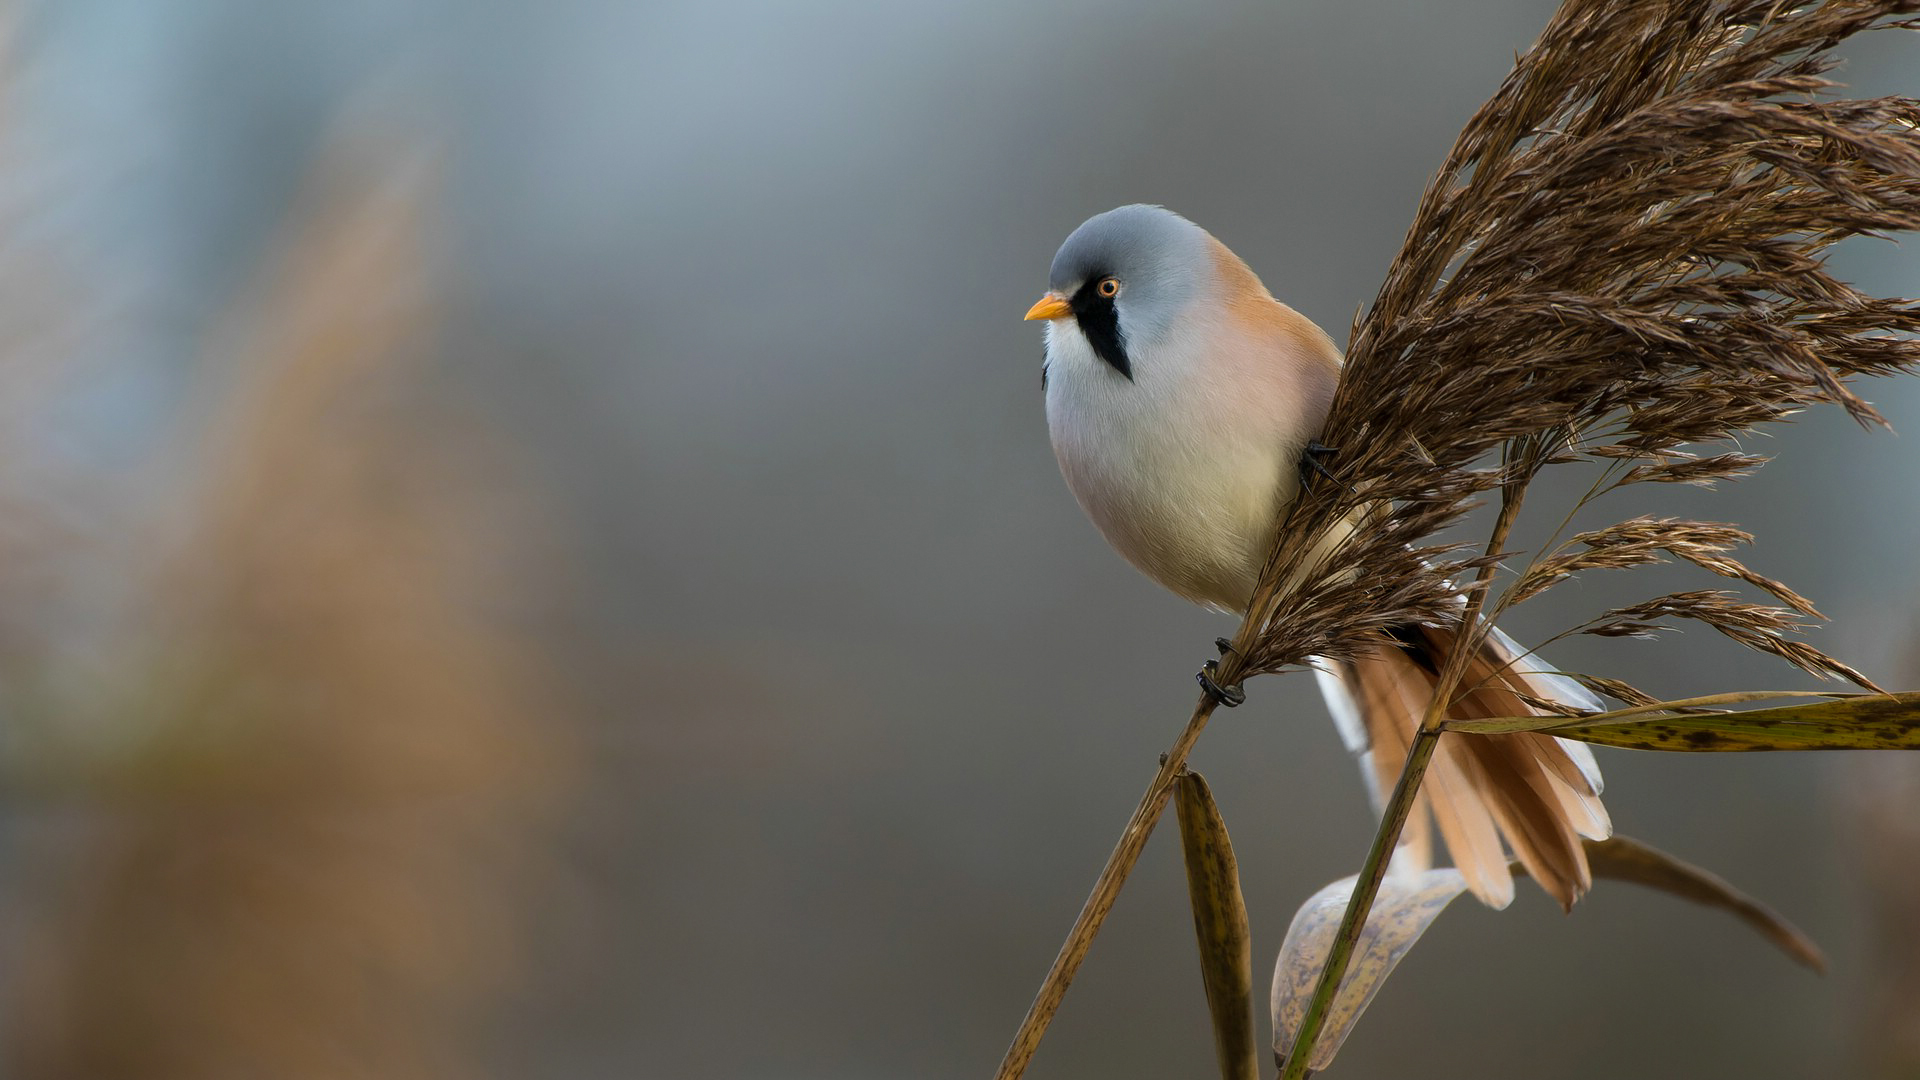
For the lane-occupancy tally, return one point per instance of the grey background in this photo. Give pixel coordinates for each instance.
(867, 699)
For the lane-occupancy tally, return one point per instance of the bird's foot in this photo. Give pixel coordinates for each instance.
(1313, 462)
(1227, 696)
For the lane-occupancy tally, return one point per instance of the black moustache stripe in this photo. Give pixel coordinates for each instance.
(1101, 323)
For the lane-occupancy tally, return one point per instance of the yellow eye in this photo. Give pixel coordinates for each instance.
(1108, 287)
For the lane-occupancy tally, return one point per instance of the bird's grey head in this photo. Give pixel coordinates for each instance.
(1124, 275)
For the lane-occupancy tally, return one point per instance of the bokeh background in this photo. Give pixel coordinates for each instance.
(529, 549)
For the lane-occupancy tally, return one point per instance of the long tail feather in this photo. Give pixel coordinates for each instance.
(1532, 795)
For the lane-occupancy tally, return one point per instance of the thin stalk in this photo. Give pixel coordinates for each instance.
(1394, 817)
(1553, 546)
(1107, 889)
(1399, 807)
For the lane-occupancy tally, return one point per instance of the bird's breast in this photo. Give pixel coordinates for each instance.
(1186, 467)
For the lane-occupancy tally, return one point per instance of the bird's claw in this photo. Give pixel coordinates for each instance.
(1230, 696)
(1312, 462)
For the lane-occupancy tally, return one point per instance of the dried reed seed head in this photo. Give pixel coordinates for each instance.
(1701, 472)
(1756, 626)
(1616, 689)
(1621, 257)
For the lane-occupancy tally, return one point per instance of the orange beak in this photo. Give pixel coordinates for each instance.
(1051, 306)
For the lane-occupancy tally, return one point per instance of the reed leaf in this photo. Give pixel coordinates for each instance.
(1854, 722)
(1406, 905)
(1220, 925)
(1623, 858)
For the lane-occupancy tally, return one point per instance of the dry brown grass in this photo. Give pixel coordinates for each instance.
(1621, 259)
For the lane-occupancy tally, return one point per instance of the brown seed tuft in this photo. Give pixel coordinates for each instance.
(1618, 261)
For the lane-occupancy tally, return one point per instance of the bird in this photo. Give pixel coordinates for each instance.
(1182, 399)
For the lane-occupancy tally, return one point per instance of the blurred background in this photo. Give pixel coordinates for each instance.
(530, 550)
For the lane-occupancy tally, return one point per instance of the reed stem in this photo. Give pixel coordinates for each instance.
(1419, 755)
(1133, 839)
(1393, 817)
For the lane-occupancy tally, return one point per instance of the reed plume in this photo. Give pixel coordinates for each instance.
(1620, 262)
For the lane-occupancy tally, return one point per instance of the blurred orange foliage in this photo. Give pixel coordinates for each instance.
(330, 759)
